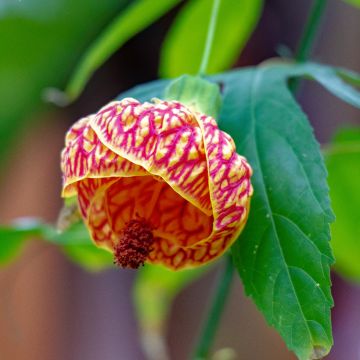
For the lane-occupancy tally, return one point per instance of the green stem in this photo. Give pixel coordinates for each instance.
(212, 322)
(209, 38)
(311, 28)
(308, 36)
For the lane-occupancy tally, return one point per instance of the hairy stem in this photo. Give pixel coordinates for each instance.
(210, 37)
(212, 321)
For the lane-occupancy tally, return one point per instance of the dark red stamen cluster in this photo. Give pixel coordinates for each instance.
(135, 244)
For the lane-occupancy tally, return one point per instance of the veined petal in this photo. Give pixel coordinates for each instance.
(85, 156)
(230, 192)
(108, 204)
(164, 138)
(162, 168)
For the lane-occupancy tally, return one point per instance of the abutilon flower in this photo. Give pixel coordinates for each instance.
(157, 183)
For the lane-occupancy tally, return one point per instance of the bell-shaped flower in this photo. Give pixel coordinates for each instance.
(157, 183)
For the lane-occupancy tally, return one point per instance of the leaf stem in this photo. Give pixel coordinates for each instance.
(310, 30)
(308, 36)
(212, 322)
(210, 37)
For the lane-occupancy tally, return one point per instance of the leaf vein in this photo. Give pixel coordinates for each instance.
(261, 177)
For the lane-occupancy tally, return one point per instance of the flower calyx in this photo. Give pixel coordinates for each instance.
(196, 93)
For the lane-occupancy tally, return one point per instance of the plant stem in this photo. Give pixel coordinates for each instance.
(308, 36)
(216, 310)
(210, 37)
(310, 30)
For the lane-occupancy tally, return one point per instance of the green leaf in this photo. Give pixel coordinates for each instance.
(11, 243)
(283, 256)
(181, 52)
(353, 2)
(343, 163)
(34, 35)
(337, 81)
(136, 17)
(75, 242)
(196, 93)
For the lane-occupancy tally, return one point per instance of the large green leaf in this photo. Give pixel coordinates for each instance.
(139, 15)
(40, 43)
(181, 52)
(283, 256)
(343, 163)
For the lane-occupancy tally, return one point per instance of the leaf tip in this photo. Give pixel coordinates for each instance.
(318, 352)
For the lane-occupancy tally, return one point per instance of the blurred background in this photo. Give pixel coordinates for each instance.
(49, 307)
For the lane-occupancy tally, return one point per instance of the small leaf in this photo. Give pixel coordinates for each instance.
(343, 163)
(133, 19)
(196, 93)
(181, 52)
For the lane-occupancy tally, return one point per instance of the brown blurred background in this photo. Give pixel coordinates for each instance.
(52, 310)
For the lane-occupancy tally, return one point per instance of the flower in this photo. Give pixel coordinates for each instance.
(157, 183)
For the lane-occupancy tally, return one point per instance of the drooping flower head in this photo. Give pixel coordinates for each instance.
(157, 182)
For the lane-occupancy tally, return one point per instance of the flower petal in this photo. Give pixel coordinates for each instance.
(164, 138)
(166, 164)
(108, 204)
(230, 192)
(85, 156)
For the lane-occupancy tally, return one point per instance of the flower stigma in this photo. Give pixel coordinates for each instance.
(135, 244)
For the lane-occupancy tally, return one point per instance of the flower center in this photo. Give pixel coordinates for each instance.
(135, 244)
